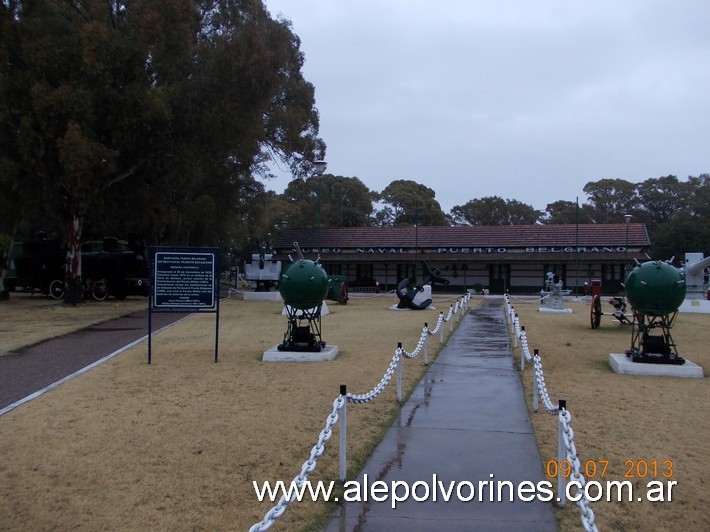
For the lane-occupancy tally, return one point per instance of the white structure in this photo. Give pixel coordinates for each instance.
(262, 268)
(551, 296)
(696, 299)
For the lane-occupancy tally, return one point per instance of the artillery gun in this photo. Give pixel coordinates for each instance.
(303, 286)
(619, 313)
(264, 269)
(694, 268)
(655, 290)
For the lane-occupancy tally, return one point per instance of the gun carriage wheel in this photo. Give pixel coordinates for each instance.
(595, 312)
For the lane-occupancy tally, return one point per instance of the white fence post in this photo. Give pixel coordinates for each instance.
(426, 344)
(535, 390)
(343, 434)
(399, 372)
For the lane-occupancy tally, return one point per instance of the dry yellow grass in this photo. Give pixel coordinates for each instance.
(620, 418)
(176, 445)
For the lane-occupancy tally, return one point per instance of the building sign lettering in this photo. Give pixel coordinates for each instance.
(470, 250)
(578, 249)
(382, 251)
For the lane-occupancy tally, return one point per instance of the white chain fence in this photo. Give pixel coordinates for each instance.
(339, 410)
(308, 466)
(566, 446)
(568, 451)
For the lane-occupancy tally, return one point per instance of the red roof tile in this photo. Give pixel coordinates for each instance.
(510, 236)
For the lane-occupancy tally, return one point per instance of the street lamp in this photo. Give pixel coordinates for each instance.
(319, 169)
(627, 217)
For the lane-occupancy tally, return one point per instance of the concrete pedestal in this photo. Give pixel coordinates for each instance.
(255, 296)
(553, 302)
(699, 306)
(329, 352)
(550, 310)
(623, 365)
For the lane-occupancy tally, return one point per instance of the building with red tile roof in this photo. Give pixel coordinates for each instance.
(499, 258)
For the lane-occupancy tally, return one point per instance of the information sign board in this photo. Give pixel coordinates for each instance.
(184, 280)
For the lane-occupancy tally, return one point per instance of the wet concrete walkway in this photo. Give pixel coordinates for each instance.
(465, 421)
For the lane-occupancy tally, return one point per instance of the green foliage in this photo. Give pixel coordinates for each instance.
(336, 201)
(662, 199)
(567, 212)
(152, 117)
(675, 212)
(611, 199)
(157, 118)
(493, 210)
(678, 236)
(407, 203)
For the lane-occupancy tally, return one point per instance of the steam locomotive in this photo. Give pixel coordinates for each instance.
(111, 267)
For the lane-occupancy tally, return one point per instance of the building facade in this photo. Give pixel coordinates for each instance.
(497, 258)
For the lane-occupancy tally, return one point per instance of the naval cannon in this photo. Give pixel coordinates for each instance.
(694, 269)
(303, 286)
(264, 269)
(655, 290)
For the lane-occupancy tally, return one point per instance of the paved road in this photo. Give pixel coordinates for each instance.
(32, 368)
(465, 421)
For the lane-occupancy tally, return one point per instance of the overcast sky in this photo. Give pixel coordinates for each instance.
(522, 99)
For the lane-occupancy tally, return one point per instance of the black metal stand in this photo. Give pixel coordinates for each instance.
(653, 349)
(303, 338)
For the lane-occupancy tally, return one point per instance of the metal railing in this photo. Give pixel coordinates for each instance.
(566, 448)
(339, 411)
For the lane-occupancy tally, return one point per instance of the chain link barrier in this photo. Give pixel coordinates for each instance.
(309, 465)
(370, 295)
(550, 407)
(564, 417)
(369, 396)
(400, 352)
(570, 454)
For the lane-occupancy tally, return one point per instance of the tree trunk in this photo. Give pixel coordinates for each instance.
(4, 292)
(5, 254)
(74, 294)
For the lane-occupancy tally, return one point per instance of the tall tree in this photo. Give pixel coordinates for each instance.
(700, 196)
(679, 236)
(661, 199)
(335, 201)
(685, 223)
(406, 202)
(567, 212)
(59, 89)
(493, 210)
(611, 199)
(173, 105)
